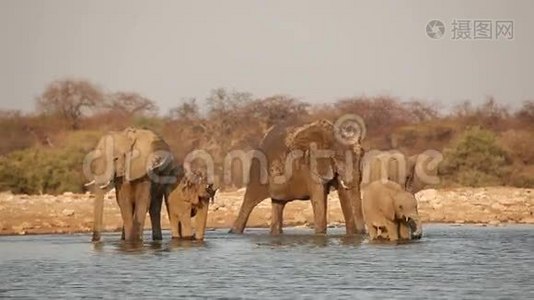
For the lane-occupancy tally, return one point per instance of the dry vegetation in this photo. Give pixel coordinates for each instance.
(42, 152)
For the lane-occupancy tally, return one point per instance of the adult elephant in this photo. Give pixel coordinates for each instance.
(413, 173)
(304, 163)
(139, 165)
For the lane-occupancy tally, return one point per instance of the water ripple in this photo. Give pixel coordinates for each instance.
(465, 262)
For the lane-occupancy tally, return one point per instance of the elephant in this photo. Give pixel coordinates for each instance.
(413, 173)
(139, 165)
(189, 198)
(390, 211)
(288, 166)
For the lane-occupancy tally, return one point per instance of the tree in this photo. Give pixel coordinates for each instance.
(275, 109)
(220, 101)
(69, 99)
(381, 114)
(186, 111)
(130, 104)
(526, 113)
(422, 111)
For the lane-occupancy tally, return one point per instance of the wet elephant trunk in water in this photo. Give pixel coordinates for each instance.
(201, 219)
(351, 207)
(354, 192)
(98, 213)
(416, 227)
(357, 213)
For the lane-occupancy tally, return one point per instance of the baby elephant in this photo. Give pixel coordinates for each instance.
(388, 207)
(190, 198)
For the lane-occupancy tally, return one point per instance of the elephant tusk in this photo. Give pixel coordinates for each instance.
(90, 183)
(343, 185)
(105, 185)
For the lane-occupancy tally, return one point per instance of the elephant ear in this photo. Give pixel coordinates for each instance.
(148, 152)
(395, 194)
(320, 132)
(190, 185)
(318, 135)
(109, 159)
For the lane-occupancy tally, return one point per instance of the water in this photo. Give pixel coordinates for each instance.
(450, 262)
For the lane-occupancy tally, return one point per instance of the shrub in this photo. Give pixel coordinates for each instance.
(475, 159)
(42, 170)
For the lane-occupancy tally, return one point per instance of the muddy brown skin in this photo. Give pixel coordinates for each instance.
(136, 192)
(190, 198)
(304, 184)
(390, 212)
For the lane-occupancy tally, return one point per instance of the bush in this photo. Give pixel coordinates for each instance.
(42, 170)
(475, 160)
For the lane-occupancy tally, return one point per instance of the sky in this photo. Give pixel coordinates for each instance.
(317, 51)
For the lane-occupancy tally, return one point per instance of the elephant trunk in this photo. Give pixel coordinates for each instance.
(201, 219)
(356, 192)
(98, 213)
(416, 227)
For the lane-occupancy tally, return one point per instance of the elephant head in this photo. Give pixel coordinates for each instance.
(197, 188)
(405, 208)
(328, 156)
(129, 154)
(125, 155)
(191, 198)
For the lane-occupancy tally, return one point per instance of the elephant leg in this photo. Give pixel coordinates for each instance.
(348, 216)
(253, 196)
(98, 213)
(372, 230)
(201, 218)
(318, 200)
(124, 200)
(142, 205)
(156, 201)
(277, 216)
(357, 211)
(185, 226)
(174, 220)
(381, 233)
(392, 229)
(404, 231)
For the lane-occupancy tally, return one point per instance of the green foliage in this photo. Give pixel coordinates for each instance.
(475, 160)
(47, 170)
(43, 152)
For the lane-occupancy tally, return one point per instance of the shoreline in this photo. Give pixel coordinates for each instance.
(73, 213)
(147, 231)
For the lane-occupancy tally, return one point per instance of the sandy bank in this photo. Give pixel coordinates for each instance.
(23, 214)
